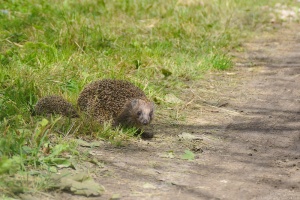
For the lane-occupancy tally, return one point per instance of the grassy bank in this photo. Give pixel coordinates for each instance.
(57, 47)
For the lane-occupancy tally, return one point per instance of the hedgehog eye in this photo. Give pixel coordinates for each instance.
(139, 113)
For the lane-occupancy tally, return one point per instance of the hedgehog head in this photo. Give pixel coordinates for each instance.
(142, 111)
(136, 112)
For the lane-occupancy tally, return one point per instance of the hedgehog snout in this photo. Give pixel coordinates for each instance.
(144, 119)
(145, 122)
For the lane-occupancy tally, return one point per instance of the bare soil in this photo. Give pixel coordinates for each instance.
(246, 124)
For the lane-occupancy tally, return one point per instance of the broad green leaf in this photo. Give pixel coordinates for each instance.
(58, 149)
(26, 149)
(188, 155)
(44, 122)
(52, 169)
(9, 165)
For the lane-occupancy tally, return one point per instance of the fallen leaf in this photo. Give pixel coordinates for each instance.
(46, 148)
(197, 148)
(88, 144)
(52, 169)
(149, 186)
(171, 98)
(96, 162)
(169, 154)
(80, 184)
(61, 162)
(186, 136)
(115, 197)
(188, 155)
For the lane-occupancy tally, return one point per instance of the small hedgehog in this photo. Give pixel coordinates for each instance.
(116, 100)
(55, 105)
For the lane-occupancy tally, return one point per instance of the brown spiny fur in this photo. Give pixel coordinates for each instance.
(55, 105)
(116, 100)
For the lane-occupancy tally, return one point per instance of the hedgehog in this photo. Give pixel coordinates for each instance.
(117, 100)
(55, 105)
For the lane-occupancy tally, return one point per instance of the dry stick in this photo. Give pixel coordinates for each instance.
(188, 103)
(73, 123)
(43, 193)
(80, 47)
(18, 45)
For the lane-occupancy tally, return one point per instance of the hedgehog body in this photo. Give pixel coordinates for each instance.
(116, 100)
(55, 105)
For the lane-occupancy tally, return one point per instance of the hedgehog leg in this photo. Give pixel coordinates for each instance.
(144, 134)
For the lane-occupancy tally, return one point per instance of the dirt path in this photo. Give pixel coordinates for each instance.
(247, 128)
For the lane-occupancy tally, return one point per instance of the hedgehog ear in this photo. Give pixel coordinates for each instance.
(134, 102)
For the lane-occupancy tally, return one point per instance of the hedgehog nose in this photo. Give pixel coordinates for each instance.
(145, 122)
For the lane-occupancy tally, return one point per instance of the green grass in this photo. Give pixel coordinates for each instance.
(57, 47)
